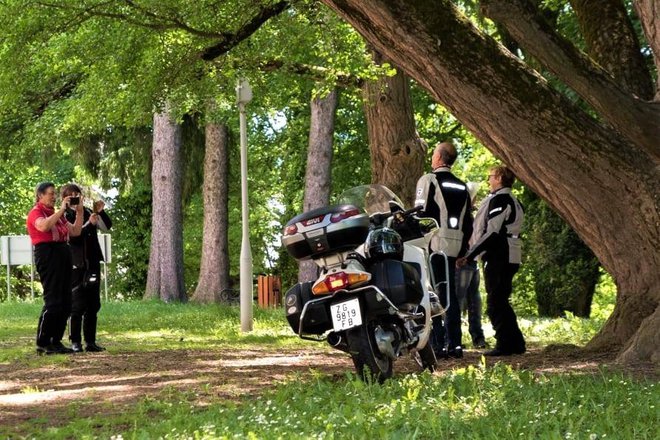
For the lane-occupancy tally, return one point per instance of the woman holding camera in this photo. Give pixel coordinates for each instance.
(87, 257)
(49, 232)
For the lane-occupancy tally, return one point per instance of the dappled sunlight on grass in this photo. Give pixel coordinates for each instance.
(568, 330)
(187, 371)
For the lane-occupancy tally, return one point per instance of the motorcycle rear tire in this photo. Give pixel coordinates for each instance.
(370, 364)
(426, 358)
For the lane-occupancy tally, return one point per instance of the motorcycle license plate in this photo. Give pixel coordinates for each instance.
(346, 314)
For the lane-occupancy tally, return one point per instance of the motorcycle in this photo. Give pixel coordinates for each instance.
(375, 295)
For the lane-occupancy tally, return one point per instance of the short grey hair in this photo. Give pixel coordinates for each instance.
(447, 152)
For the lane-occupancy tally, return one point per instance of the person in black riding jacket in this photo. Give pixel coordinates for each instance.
(445, 198)
(496, 241)
(87, 257)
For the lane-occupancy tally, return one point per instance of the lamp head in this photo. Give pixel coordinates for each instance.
(243, 92)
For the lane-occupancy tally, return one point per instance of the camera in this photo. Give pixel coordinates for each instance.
(73, 201)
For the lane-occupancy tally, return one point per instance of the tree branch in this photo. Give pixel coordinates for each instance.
(175, 22)
(636, 119)
(230, 41)
(160, 23)
(318, 73)
(65, 90)
(648, 12)
(613, 44)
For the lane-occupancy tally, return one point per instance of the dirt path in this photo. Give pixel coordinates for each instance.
(111, 381)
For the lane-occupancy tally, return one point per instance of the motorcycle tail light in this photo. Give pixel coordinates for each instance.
(334, 218)
(290, 230)
(340, 280)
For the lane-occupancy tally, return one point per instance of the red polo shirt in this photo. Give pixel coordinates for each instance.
(58, 233)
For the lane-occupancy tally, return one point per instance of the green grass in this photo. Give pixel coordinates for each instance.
(149, 326)
(152, 326)
(482, 401)
(470, 403)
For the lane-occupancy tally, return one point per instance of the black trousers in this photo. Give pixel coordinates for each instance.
(499, 277)
(84, 308)
(53, 261)
(447, 332)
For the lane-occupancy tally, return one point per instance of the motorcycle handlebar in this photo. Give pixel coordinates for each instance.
(413, 210)
(399, 216)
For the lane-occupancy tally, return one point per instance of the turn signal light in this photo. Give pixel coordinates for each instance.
(290, 230)
(340, 280)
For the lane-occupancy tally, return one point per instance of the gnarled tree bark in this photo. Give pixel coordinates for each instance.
(648, 12)
(397, 152)
(612, 43)
(606, 186)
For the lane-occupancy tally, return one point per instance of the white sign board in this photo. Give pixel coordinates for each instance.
(15, 250)
(105, 242)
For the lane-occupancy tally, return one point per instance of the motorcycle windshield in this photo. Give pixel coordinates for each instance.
(371, 198)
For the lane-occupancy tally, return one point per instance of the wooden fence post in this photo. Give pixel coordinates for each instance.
(269, 291)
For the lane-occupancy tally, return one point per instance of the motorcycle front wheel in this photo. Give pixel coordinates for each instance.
(370, 363)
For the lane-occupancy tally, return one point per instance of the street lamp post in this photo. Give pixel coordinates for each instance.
(244, 96)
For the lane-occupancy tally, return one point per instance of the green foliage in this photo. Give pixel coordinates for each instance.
(604, 297)
(565, 270)
(131, 236)
(83, 79)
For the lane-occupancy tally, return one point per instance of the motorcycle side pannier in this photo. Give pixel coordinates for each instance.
(398, 280)
(326, 230)
(317, 321)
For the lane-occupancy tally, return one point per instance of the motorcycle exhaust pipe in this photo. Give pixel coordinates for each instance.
(336, 341)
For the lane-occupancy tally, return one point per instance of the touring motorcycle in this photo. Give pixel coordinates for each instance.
(375, 294)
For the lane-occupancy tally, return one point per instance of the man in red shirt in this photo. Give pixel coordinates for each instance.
(49, 232)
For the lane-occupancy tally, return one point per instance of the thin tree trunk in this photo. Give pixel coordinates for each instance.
(605, 186)
(214, 268)
(165, 275)
(397, 152)
(318, 175)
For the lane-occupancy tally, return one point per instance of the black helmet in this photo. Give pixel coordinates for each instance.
(384, 243)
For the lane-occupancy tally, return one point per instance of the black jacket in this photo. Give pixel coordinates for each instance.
(85, 248)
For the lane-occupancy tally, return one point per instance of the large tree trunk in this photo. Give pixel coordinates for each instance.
(214, 268)
(603, 184)
(397, 152)
(318, 175)
(165, 276)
